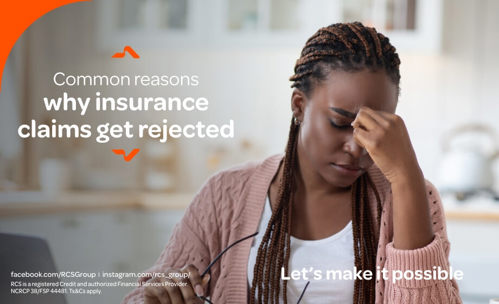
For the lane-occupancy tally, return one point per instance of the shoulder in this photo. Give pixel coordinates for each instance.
(226, 189)
(240, 175)
(226, 193)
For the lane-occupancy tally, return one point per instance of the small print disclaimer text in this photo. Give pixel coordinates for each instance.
(87, 283)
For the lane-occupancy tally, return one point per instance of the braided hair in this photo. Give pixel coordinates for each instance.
(340, 46)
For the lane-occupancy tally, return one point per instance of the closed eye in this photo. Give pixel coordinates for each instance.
(340, 126)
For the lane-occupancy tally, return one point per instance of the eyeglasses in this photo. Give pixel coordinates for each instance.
(218, 258)
(302, 292)
(224, 251)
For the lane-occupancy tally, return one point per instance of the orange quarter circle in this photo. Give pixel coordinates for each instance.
(17, 16)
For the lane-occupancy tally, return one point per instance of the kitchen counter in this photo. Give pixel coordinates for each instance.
(33, 202)
(475, 208)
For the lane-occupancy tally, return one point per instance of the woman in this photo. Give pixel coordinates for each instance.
(347, 194)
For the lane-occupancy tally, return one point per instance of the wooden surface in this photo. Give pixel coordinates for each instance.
(478, 208)
(33, 203)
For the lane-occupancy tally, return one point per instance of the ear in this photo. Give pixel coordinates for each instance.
(298, 101)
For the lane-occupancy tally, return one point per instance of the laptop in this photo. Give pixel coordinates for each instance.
(21, 254)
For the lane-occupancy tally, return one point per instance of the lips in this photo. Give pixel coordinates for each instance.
(349, 167)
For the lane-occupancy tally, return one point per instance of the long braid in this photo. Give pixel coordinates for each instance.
(356, 235)
(277, 232)
(340, 46)
(288, 181)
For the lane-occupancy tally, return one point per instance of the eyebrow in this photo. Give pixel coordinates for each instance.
(344, 112)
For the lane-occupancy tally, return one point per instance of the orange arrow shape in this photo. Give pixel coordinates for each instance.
(128, 157)
(126, 49)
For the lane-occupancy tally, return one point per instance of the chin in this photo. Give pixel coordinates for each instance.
(340, 181)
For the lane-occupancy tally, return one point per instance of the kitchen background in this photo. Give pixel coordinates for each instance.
(101, 215)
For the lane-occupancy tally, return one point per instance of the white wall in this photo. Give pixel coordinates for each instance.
(250, 85)
(439, 91)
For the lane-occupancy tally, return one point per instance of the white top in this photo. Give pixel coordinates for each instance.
(332, 253)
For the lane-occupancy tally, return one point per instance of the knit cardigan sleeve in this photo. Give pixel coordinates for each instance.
(189, 242)
(429, 257)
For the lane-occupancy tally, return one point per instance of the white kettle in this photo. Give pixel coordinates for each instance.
(466, 166)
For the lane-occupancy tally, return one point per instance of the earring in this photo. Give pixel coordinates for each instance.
(296, 121)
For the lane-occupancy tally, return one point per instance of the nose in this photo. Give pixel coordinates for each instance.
(353, 148)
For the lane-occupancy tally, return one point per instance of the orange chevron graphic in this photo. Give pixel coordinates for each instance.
(128, 157)
(129, 50)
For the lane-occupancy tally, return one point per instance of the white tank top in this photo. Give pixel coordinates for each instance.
(332, 253)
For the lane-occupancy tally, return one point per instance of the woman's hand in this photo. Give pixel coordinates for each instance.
(176, 287)
(385, 138)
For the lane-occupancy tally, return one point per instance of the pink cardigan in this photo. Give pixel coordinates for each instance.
(229, 206)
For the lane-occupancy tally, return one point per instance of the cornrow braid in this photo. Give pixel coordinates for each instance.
(340, 46)
(344, 46)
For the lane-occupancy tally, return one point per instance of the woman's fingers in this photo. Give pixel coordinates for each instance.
(173, 290)
(370, 119)
(195, 278)
(365, 121)
(178, 286)
(362, 138)
(186, 288)
(387, 116)
(156, 293)
(151, 296)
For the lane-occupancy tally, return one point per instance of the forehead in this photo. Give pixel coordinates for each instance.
(351, 90)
